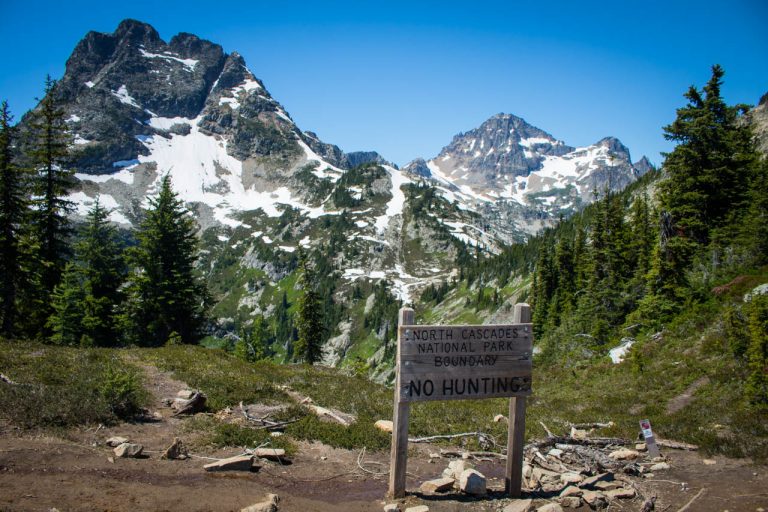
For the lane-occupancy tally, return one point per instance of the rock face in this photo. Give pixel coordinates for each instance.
(509, 168)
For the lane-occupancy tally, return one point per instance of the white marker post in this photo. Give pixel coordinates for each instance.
(462, 362)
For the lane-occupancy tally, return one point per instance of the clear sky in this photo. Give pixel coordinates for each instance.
(403, 78)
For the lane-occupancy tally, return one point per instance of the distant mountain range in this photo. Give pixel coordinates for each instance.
(260, 187)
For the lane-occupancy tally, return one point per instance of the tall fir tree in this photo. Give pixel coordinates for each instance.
(308, 347)
(86, 301)
(166, 296)
(13, 212)
(48, 142)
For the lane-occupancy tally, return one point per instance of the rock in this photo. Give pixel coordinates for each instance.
(578, 433)
(191, 406)
(384, 425)
(499, 418)
(571, 491)
(117, 441)
(269, 453)
(238, 463)
(571, 478)
(472, 482)
(624, 454)
(391, 507)
(111, 460)
(641, 447)
(269, 505)
(437, 485)
(519, 506)
(571, 502)
(176, 451)
(555, 452)
(527, 470)
(128, 450)
(591, 481)
(595, 499)
(709, 462)
(550, 507)
(659, 459)
(661, 466)
(606, 486)
(185, 394)
(455, 469)
(418, 508)
(621, 494)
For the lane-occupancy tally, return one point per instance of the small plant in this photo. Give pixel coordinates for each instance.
(122, 391)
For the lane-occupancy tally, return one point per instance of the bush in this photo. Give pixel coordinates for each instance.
(122, 391)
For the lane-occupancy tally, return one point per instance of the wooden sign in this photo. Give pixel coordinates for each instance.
(464, 362)
(461, 362)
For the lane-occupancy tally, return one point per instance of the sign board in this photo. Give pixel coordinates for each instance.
(650, 441)
(461, 362)
(464, 361)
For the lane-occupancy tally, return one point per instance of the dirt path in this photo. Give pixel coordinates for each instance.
(74, 473)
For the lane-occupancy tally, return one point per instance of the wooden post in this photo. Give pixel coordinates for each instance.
(513, 482)
(399, 454)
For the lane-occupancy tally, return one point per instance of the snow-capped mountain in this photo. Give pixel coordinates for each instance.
(261, 188)
(514, 172)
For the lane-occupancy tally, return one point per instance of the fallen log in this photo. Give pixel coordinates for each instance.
(7, 380)
(592, 441)
(676, 445)
(193, 405)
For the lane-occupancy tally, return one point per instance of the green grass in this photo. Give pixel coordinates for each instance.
(64, 386)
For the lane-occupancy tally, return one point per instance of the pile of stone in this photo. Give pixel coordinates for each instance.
(458, 476)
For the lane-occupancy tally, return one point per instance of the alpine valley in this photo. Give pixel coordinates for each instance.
(262, 189)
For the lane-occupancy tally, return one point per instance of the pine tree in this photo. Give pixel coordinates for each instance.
(48, 153)
(308, 347)
(13, 212)
(86, 302)
(66, 320)
(165, 294)
(99, 256)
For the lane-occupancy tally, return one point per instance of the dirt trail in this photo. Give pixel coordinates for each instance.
(74, 473)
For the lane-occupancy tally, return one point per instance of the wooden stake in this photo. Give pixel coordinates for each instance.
(513, 482)
(399, 453)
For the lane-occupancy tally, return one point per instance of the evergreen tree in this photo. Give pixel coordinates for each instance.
(48, 153)
(308, 347)
(66, 320)
(100, 259)
(85, 303)
(165, 294)
(13, 211)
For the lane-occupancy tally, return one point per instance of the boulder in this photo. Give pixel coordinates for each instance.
(472, 482)
(555, 452)
(117, 441)
(418, 508)
(519, 506)
(128, 450)
(268, 505)
(499, 418)
(607, 486)
(176, 451)
(391, 507)
(624, 454)
(384, 425)
(660, 466)
(641, 447)
(238, 463)
(571, 502)
(438, 485)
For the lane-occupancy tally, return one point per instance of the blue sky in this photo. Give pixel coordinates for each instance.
(403, 78)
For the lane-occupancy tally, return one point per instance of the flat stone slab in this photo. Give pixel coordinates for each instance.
(269, 453)
(622, 494)
(438, 485)
(419, 508)
(238, 463)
